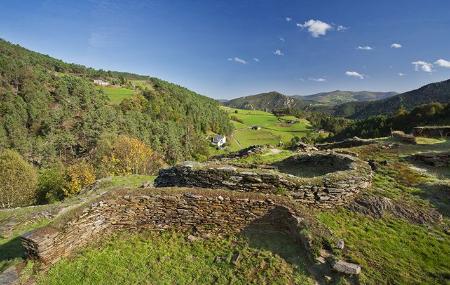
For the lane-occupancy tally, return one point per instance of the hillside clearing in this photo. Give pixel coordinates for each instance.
(272, 129)
(117, 94)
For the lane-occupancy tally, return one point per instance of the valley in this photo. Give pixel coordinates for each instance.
(224, 142)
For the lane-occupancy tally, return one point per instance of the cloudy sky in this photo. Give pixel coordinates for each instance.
(227, 49)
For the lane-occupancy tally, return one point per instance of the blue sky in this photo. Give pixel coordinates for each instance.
(227, 49)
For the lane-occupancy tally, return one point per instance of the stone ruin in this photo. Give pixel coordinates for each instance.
(436, 159)
(405, 138)
(432, 131)
(204, 212)
(199, 212)
(346, 175)
(347, 143)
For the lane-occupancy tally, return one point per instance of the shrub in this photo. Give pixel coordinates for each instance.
(236, 119)
(18, 180)
(79, 176)
(52, 184)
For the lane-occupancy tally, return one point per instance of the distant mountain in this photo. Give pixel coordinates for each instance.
(324, 102)
(434, 92)
(267, 101)
(339, 97)
(222, 101)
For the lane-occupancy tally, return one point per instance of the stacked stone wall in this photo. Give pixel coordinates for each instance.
(326, 191)
(200, 212)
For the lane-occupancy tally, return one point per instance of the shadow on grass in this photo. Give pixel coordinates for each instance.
(10, 251)
(438, 195)
(271, 233)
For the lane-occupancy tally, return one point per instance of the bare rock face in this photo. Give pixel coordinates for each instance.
(347, 267)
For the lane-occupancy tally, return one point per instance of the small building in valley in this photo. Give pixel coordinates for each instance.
(101, 82)
(219, 140)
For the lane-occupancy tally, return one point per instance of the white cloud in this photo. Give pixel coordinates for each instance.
(278, 52)
(442, 63)
(423, 65)
(341, 28)
(288, 19)
(401, 74)
(364, 48)
(317, 28)
(282, 39)
(320, 79)
(237, 59)
(256, 59)
(395, 45)
(354, 74)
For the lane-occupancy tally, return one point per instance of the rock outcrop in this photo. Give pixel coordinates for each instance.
(328, 190)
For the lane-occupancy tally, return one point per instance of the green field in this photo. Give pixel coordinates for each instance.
(273, 129)
(117, 94)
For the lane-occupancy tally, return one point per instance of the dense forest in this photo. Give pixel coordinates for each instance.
(382, 125)
(51, 111)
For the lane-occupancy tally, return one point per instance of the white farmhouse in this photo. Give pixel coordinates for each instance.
(101, 82)
(219, 140)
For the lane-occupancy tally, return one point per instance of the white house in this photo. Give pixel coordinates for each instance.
(219, 140)
(101, 82)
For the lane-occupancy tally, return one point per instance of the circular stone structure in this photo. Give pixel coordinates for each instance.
(339, 177)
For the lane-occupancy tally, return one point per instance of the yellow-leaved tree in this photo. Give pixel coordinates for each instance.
(129, 155)
(79, 176)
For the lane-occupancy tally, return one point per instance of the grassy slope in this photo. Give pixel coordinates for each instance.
(392, 250)
(117, 94)
(168, 258)
(272, 129)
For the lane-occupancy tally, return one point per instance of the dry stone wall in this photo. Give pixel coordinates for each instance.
(347, 143)
(432, 131)
(326, 191)
(437, 159)
(200, 212)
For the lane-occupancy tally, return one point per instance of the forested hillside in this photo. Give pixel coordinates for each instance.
(434, 92)
(339, 97)
(267, 102)
(51, 111)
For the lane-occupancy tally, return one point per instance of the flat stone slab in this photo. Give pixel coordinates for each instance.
(9, 276)
(347, 267)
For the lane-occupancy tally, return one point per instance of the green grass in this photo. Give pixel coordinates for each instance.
(117, 94)
(392, 251)
(168, 258)
(273, 129)
(132, 181)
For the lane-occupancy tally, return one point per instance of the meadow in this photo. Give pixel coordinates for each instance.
(117, 94)
(272, 130)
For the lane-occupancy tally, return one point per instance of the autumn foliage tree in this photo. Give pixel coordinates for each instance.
(130, 156)
(79, 175)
